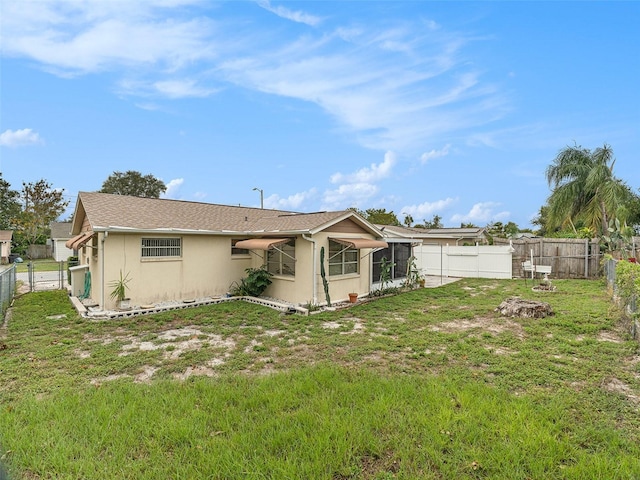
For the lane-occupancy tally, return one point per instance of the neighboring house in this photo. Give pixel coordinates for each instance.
(520, 235)
(60, 234)
(438, 236)
(178, 250)
(5, 245)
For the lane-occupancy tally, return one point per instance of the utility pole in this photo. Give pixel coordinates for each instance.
(261, 196)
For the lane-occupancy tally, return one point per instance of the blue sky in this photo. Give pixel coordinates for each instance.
(422, 108)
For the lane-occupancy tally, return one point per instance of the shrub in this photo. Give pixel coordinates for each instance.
(628, 282)
(253, 285)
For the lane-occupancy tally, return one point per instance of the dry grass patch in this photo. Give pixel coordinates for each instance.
(492, 325)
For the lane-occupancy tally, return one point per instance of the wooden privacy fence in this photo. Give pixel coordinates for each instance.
(35, 252)
(567, 257)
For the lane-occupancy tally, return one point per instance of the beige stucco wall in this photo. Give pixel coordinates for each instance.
(207, 269)
(301, 289)
(298, 288)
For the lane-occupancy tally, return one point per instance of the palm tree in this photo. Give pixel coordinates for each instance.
(584, 189)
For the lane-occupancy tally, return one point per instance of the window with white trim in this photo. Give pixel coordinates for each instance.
(342, 259)
(163, 247)
(281, 260)
(238, 251)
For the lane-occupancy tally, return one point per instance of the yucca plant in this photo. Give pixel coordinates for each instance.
(120, 287)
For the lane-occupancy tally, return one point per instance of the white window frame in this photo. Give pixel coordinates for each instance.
(339, 259)
(282, 258)
(235, 252)
(161, 247)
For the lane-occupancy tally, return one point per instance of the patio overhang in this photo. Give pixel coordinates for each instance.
(78, 241)
(261, 243)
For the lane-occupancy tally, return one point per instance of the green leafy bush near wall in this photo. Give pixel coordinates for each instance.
(254, 284)
(628, 283)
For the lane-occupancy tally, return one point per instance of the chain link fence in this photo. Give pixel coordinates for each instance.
(632, 307)
(39, 277)
(7, 287)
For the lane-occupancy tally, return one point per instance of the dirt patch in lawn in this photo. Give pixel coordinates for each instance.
(174, 343)
(607, 336)
(618, 386)
(486, 324)
(177, 341)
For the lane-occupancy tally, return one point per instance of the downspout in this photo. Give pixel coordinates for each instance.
(313, 286)
(104, 237)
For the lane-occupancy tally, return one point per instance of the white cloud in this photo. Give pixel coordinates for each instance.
(292, 202)
(426, 210)
(349, 195)
(373, 173)
(81, 37)
(295, 16)
(151, 107)
(392, 98)
(481, 213)
(19, 138)
(173, 186)
(395, 85)
(200, 196)
(443, 152)
(182, 88)
(172, 89)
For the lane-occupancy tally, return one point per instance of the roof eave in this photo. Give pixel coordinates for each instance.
(347, 214)
(187, 231)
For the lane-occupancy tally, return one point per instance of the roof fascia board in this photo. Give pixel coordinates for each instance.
(186, 231)
(76, 216)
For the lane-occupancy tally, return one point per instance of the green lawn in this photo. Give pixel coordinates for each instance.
(429, 384)
(41, 265)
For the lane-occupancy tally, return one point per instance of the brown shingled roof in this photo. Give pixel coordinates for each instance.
(137, 213)
(60, 230)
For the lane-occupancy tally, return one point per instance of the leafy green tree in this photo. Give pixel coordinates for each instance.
(380, 216)
(585, 189)
(358, 211)
(134, 183)
(633, 209)
(436, 222)
(9, 205)
(468, 225)
(41, 205)
(510, 229)
(540, 220)
(502, 230)
(408, 220)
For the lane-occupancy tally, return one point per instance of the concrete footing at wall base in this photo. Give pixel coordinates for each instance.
(96, 313)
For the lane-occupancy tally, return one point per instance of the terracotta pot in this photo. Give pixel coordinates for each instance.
(353, 297)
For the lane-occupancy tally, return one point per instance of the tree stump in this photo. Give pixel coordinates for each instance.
(518, 307)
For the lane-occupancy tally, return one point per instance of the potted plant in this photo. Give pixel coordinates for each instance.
(119, 292)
